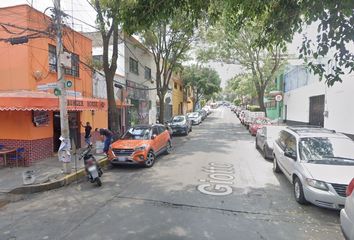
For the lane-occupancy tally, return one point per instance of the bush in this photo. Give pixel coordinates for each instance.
(254, 108)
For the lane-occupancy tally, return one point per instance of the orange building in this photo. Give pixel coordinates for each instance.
(29, 115)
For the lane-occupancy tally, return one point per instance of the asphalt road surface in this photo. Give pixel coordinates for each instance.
(214, 185)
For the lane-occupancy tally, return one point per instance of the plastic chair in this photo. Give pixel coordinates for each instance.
(17, 157)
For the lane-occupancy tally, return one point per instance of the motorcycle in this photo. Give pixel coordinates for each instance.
(93, 170)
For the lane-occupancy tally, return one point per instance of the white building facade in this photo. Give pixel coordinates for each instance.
(307, 100)
(135, 71)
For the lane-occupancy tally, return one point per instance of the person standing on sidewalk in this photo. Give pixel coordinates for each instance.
(88, 129)
(107, 134)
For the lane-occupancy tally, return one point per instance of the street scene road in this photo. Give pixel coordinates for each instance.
(214, 185)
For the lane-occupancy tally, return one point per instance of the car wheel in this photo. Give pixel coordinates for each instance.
(299, 192)
(150, 160)
(257, 144)
(168, 147)
(265, 156)
(276, 168)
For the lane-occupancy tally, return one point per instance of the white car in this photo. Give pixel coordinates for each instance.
(347, 214)
(318, 162)
(195, 117)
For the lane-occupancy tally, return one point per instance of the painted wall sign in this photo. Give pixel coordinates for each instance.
(219, 181)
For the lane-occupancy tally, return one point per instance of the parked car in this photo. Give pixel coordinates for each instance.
(257, 124)
(203, 113)
(207, 108)
(318, 162)
(141, 145)
(265, 138)
(251, 116)
(180, 125)
(195, 117)
(347, 213)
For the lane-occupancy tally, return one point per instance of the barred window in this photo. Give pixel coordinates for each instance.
(133, 66)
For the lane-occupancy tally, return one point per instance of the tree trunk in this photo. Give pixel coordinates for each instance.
(260, 95)
(113, 113)
(161, 96)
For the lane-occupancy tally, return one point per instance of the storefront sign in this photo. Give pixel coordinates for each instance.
(40, 118)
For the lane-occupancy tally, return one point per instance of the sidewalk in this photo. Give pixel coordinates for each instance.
(47, 172)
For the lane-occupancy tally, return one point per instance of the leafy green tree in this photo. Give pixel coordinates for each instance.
(152, 16)
(279, 20)
(169, 41)
(204, 82)
(240, 48)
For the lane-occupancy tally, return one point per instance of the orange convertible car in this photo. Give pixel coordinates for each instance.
(141, 145)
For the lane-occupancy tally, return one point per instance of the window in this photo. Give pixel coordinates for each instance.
(180, 87)
(282, 138)
(74, 70)
(97, 58)
(161, 129)
(147, 73)
(155, 131)
(133, 66)
(291, 144)
(176, 86)
(52, 58)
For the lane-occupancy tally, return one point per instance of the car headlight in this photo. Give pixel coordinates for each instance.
(317, 184)
(140, 148)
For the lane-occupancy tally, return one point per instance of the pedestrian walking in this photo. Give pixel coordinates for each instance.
(88, 129)
(107, 135)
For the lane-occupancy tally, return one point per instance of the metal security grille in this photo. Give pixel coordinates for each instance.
(123, 152)
(316, 110)
(340, 189)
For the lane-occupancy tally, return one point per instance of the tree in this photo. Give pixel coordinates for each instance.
(241, 48)
(108, 22)
(204, 82)
(279, 20)
(168, 40)
(133, 16)
(242, 86)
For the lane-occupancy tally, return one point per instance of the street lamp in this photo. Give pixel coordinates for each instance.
(120, 87)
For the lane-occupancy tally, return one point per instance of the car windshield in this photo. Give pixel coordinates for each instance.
(178, 119)
(137, 133)
(327, 150)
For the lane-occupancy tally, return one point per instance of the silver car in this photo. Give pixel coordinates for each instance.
(318, 162)
(347, 214)
(265, 138)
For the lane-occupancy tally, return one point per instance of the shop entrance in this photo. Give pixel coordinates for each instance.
(74, 127)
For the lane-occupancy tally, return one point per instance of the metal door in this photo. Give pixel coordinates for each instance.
(316, 110)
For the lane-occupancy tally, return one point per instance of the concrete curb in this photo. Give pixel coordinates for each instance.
(66, 180)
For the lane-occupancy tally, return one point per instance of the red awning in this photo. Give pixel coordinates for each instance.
(43, 101)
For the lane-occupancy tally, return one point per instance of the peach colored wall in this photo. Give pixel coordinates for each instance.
(19, 62)
(19, 125)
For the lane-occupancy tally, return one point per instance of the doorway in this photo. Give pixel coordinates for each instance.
(74, 129)
(316, 110)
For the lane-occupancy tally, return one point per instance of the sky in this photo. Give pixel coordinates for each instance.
(82, 10)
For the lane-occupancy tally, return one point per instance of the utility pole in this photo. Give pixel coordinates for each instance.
(64, 150)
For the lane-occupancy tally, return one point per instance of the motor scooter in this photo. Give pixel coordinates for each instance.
(92, 168)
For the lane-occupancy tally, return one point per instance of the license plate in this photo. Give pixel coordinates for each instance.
(122, 159)
(93, 171)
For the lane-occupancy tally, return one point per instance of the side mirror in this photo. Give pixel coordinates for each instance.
(153, 136)
(290, 154)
